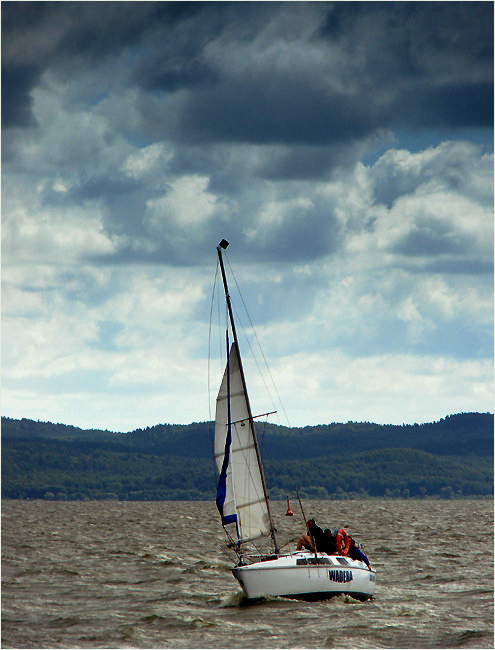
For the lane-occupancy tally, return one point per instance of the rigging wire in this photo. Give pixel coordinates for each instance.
(296, 441)
(216, 292)
(255, 357)
(261, 350)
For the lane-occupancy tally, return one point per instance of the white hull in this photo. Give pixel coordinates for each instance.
(302, 576)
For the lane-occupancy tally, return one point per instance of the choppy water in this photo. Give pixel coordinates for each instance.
(151, 575)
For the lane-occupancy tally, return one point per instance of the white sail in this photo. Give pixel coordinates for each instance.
(240, 496)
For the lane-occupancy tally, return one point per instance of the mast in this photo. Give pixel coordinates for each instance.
(222, 246)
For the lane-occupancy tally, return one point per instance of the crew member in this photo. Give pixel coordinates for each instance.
(330, 545)
(315, 533)
(356, 553)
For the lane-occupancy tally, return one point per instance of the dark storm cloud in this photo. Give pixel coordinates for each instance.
(241, 93)
(123, 200)
(415, 40)
(400, 64)
(285, 111)
(434, 60)
(84, 28)
(17, 81)
(37, 36)
(450, 105)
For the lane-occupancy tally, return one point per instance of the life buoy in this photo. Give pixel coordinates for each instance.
(343, 541)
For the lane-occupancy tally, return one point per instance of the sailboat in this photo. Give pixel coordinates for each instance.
(244, 505)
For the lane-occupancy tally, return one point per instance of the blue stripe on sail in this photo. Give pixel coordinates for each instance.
(222, 484)
(222, 480)
(229, 519)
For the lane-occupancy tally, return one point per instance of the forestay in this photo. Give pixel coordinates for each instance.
(240, 495)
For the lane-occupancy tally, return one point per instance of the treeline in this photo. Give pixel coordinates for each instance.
(455, 435)
(52, 469)
(174, 462)
(394, 473)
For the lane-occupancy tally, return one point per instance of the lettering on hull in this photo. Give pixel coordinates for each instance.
(337, 575)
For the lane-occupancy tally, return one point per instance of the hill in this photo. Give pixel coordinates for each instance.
(452, 457)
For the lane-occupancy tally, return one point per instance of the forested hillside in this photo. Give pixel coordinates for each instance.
(449, 458)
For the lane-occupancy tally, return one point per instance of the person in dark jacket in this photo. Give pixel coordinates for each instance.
(315, 534)
(356, 554)
(330, 543)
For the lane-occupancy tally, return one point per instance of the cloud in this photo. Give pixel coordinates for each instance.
(435, 204)
(330, 383)
(310, 135)
(318, 83)
(306, 76)
(17, 82)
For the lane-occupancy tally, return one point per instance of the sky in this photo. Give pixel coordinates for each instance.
(344, 149)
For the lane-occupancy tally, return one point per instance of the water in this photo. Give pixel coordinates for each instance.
(151, 575)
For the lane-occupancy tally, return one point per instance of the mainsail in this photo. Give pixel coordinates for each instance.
(240, 495)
